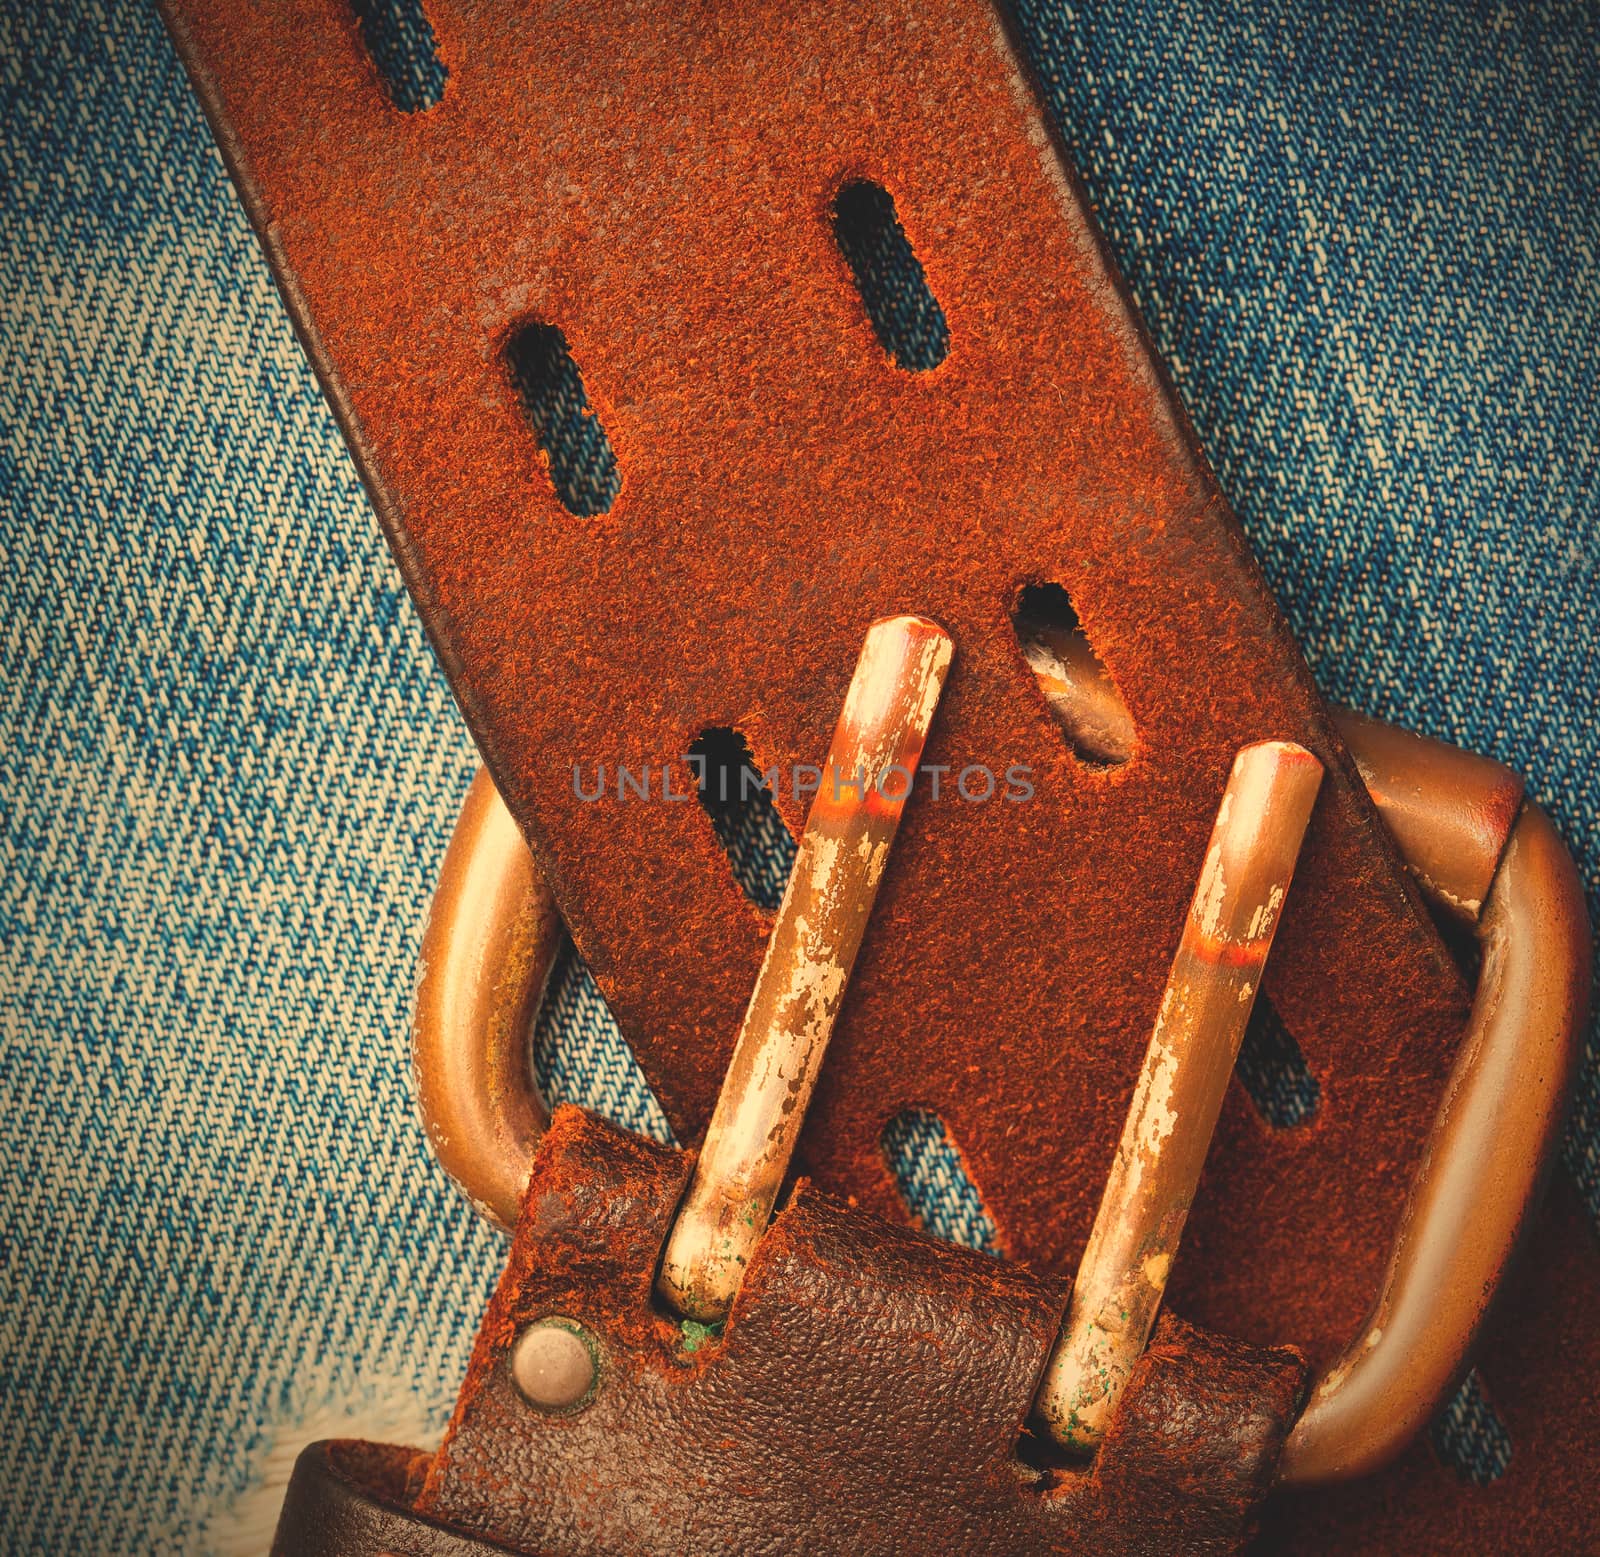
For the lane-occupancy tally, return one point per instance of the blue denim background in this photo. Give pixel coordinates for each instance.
(1368, 243)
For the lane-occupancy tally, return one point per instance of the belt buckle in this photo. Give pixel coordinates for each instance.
(1485, 858)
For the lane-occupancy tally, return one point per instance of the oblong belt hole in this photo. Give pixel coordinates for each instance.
(583, 465)
(1077, 688)
(1274, 1072)
(400, 39)
(934, 1182)
(905, 315)
(738, 799)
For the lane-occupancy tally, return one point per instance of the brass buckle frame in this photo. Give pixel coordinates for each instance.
(1481, 855)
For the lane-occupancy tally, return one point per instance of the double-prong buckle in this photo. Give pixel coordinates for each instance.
(1484, 858)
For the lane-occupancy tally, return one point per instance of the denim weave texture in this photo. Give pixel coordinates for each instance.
(1367, 242)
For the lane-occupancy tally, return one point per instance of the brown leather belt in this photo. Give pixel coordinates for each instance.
(1483, 859)
(650, 196)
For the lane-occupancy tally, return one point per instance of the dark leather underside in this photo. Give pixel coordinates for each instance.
(351, 1499)
(867, 1396)
(804, 1382)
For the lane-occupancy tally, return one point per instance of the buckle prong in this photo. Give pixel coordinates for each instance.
(811, 949)
(1210, 990)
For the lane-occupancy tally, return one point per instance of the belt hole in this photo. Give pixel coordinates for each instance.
(1274, 1072)
(905, 314)
(580, 1055)
(583, 466)
(400, 40)
(934, 1183)
(1077, 687)
(1469, 1437)
(738, 799)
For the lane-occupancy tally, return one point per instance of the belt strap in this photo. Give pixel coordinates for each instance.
(644, 225)
(660, 184)
(867, 1399)
(351, 1499)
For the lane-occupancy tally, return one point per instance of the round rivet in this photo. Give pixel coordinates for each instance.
(555, 1364)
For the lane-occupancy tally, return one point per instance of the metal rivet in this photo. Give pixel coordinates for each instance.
(555, 1363)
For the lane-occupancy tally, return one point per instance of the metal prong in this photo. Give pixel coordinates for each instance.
(1249, 863)
(876, 748)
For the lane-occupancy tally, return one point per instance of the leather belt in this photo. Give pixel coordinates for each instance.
(1483, 859)
(783, 483)
(683, 232)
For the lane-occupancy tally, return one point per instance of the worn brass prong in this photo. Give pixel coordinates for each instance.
(876, 748)
(1210, 989)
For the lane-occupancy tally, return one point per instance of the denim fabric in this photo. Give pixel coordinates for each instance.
(580, 1055)
(1366, 241)
(938, 1190)
(1469, 1435)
